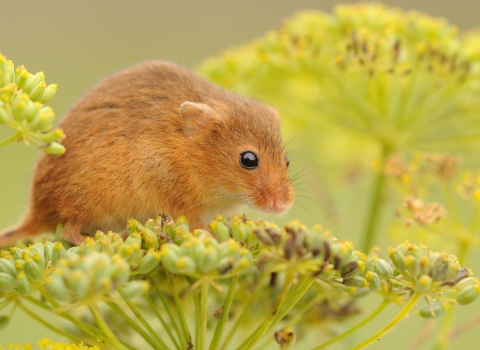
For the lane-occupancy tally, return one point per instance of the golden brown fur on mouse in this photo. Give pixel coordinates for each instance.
(156, 138)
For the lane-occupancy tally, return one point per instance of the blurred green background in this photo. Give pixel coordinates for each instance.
(76, 44)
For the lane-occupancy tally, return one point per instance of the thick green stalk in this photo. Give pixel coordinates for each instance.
(143, 321)
(132, 323)
(295, 294)
(49, 325)
(84, 327)
(359, 325)
(105, 328)
(263, 328)
(203, 312)
(217, 336)
(10, 139)
(396, 320)
(374, 212)
(173, 319)
(198, 318)
(162, 321)
(246, 308)
(178, 305)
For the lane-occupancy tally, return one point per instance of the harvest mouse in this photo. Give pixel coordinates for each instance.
(157, 138)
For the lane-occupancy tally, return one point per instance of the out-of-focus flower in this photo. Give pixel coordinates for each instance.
(402, 78)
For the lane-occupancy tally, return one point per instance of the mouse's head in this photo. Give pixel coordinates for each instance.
(240, 147)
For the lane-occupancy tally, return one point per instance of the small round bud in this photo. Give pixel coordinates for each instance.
(383, 268)
(468, 294)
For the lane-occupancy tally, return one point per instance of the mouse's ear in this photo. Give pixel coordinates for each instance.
(197, 116)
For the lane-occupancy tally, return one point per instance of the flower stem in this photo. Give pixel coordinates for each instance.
(246, 308)
(48, 325)
(295, 294)
(198, 318)
(10, 139)
(178, 305)
(84, 327)
(263, 328)
(203, 312)
(359, 325)
(400, 316)
(163, 322)
(373, 214)
(217, 336)
(160, 342)
(105, 328)
(167, 307)
(132, 324)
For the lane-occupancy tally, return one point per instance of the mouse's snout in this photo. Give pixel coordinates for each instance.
(275, 195)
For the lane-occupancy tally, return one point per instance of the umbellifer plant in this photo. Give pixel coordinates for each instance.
(252, 284)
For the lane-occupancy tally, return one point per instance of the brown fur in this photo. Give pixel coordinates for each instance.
(133, 152)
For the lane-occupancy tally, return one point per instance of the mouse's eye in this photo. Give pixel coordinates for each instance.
(287, 160)
(249, 160)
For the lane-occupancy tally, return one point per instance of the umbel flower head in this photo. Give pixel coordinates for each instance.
(22, 98)
(406, 80)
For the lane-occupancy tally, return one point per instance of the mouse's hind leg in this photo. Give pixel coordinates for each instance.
(71, 233)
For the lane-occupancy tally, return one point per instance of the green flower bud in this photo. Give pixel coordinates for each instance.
(383, 268)
(413, 265)
(52, 136)
(170, 256)
(134, 226)
(469, 281)
(49, 251)
(22, 284)
(58, 252)
(397, 258)
(150, 238)
(424, 283)
(48, 93)
(5, 116)
(78, 282)
(33, 81)
(17, 253)
(135, 289)
(208, 259)
(468, 294)
(133, 239)
(7, 282)
(39, 255)
(434, 310)
(220, 230)
(120, 270)
(56, 287)
(240, 231)
(44, 119)
(7, 266)
(55, 149)
(439, 267)
(149, 262)
(19, 264)
(374, 282)
(38, 91)
(7, 74)
(169, 228)
(33, 271)
(182, 224)
(186, 265)
(424, 265)
(314, 239)
(21, 77)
